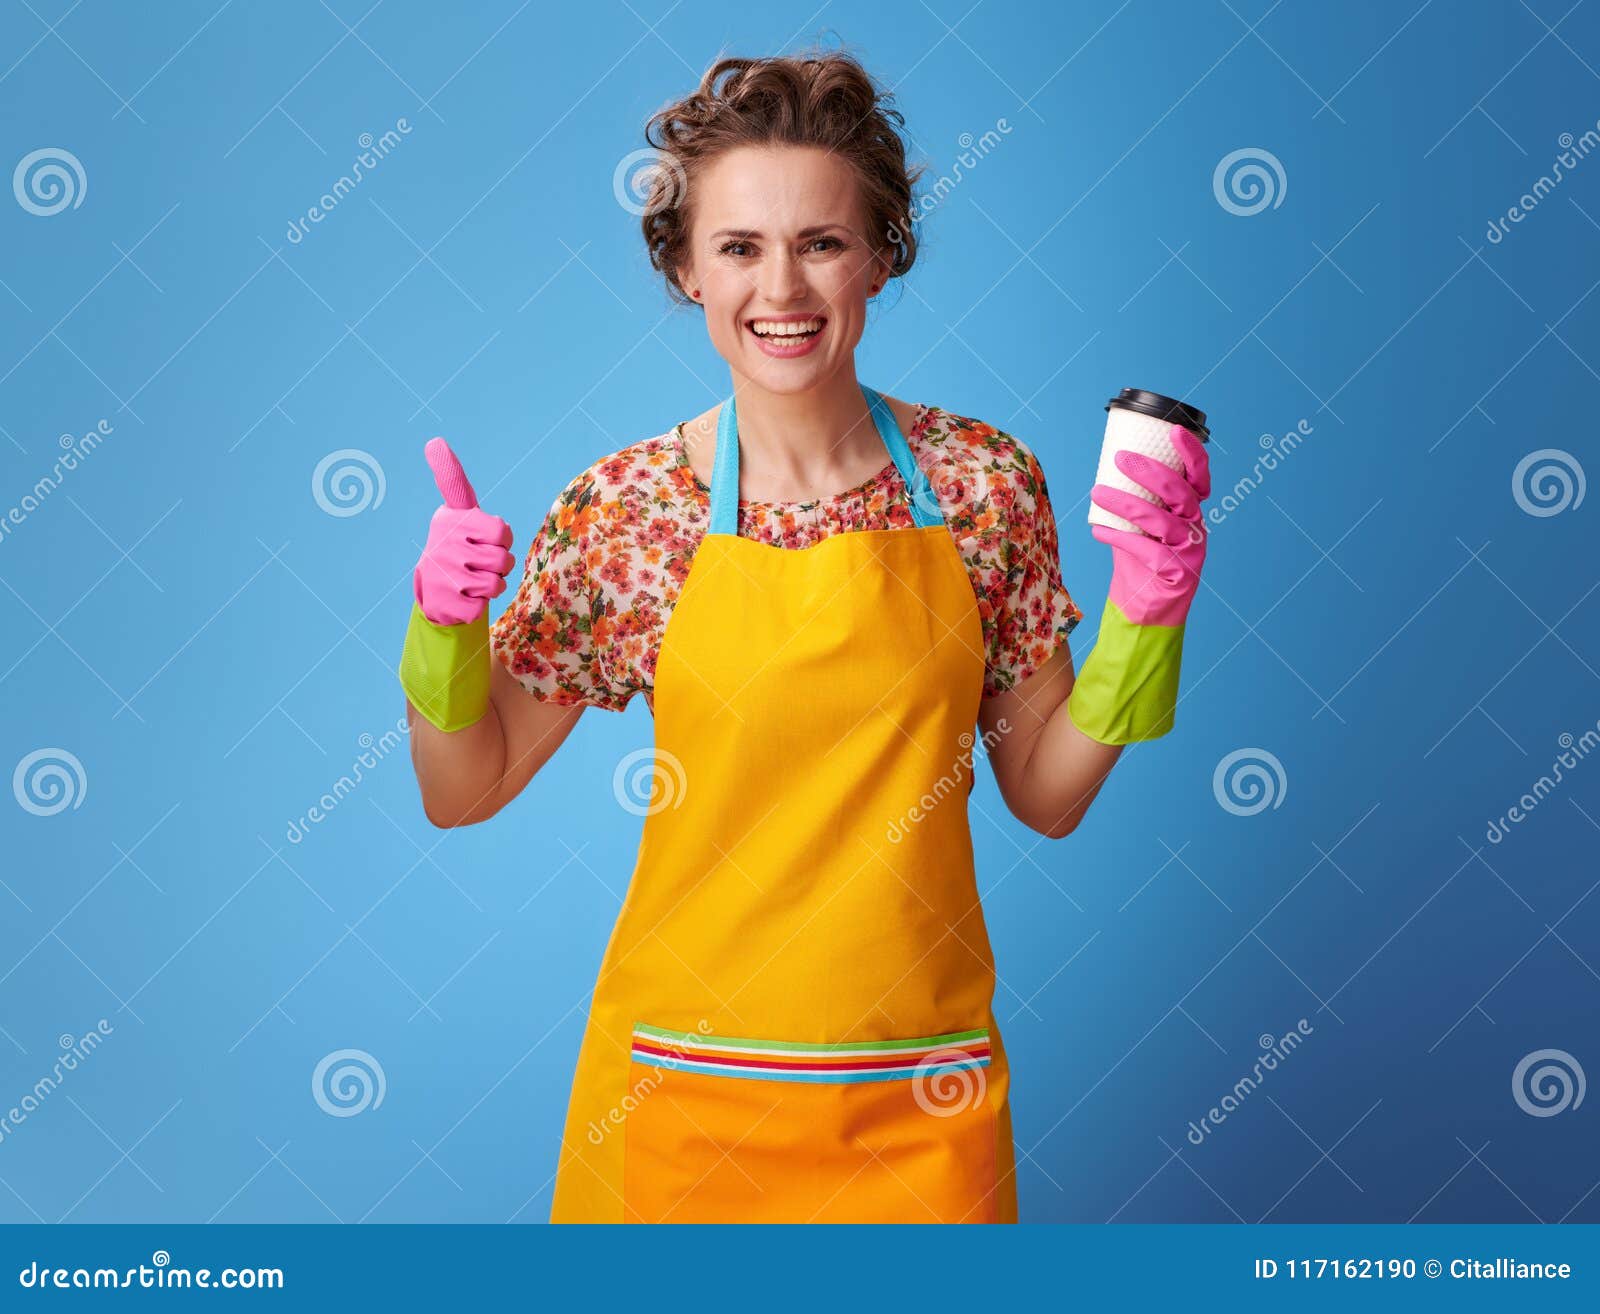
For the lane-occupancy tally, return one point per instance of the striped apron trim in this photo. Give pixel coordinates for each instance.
(783, 1060)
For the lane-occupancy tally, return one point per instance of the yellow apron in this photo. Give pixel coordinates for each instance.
(793, 1019)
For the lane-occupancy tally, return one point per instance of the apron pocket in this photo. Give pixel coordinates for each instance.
(725, 1129)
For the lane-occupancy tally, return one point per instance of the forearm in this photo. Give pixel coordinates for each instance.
(458, 742)
(459, 773)
(1061, 776)
(1063, 732)
(1126, 693)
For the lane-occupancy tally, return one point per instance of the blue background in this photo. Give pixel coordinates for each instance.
(1380, 614)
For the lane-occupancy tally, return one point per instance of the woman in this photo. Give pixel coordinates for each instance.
(793, 1019)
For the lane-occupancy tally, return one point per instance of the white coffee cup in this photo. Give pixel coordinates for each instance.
(1140, 421)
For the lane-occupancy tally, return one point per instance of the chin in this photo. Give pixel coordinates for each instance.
(784, 379)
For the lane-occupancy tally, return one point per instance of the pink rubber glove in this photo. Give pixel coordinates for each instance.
(465, 561)
(1155, 575)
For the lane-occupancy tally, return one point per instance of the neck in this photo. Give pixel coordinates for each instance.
(806, 443)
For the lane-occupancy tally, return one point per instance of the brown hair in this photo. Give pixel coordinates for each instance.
(824, 99)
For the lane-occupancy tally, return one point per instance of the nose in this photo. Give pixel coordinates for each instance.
(782, 278)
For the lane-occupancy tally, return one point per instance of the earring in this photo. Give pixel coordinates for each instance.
(697, 292)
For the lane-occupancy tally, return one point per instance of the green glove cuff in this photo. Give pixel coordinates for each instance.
(1128, 688)
(444, 670)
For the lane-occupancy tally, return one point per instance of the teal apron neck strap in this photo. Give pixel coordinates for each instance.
(725, 468)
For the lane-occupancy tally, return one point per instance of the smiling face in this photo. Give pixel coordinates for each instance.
(780, 255)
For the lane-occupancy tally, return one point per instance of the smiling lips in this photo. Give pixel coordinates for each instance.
(787, 335)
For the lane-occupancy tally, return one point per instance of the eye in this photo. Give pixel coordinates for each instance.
(743, 248)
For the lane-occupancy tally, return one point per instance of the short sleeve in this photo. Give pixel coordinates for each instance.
(1031, 611)
(551, 638)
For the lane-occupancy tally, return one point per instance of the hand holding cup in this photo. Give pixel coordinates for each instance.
(1155, 567)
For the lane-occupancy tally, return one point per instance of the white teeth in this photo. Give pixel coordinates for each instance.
(786, 333)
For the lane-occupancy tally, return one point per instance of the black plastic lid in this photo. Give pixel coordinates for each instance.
(1163, 408)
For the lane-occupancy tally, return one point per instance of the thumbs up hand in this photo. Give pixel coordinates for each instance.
(466, 558)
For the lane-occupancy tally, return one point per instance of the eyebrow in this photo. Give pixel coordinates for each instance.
(748, 234)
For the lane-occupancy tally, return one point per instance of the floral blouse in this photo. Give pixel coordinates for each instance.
(606, 566)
